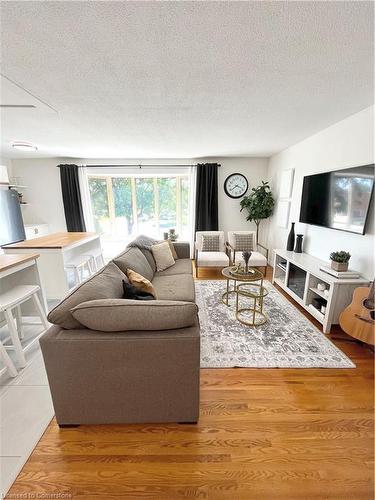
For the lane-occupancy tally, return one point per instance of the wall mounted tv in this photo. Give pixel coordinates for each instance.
(339, 199)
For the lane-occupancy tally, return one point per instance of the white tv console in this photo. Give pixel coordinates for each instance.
(298, 274)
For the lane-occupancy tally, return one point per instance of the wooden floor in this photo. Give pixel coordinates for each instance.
(262, 434)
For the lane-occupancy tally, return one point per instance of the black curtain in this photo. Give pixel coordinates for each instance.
(72, 198)
(206, 206)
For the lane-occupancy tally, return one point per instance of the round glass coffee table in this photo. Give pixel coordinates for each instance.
(248, 285)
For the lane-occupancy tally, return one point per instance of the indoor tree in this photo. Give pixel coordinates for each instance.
(258, 204)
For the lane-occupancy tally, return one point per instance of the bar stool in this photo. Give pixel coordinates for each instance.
(95, 256)
(12, 300)
(78, 265)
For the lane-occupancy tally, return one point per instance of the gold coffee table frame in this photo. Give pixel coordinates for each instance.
(255, 279)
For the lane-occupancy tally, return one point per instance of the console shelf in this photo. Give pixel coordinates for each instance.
(298, 274)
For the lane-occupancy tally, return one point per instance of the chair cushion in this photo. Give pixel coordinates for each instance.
(181, 266)
(140, 282)
(244, 242)
(256, 259)
(120, 315)
(133, 257)
(105, 284)
(210, 243)
(176, 287)
(163, 255)
(213, 259)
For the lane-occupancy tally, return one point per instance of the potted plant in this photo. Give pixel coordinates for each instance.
(259, 204)
(340, 260)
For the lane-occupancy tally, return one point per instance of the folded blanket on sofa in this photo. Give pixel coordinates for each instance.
(143, 242)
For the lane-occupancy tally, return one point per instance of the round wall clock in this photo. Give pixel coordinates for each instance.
(235, 185)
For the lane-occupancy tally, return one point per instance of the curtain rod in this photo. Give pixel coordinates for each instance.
(140, 165)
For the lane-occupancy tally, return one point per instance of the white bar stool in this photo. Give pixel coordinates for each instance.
(78, 266)
(12, 300)
(95, 257)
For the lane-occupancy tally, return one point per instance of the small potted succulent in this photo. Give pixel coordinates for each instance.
(340, 260)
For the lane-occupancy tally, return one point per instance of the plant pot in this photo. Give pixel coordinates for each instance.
(339, 266)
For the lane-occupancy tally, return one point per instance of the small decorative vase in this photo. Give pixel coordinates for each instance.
(172, 235)
(165, 235)
(246, 257)
(339, 266)
(298, 248)
(291, 238)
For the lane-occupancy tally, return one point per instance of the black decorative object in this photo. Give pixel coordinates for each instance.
(291, 239)
(206, 208)
(72, 198)
(298, 248)
(246, 257)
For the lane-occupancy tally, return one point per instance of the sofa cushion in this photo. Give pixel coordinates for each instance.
(150, 258)
(163, 255)
(119, 315)
(181, 266)
(140, 282)
(134, 259)
(105, 284)
(212, 259)
(176, 287)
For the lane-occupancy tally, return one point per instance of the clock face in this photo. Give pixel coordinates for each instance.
(236, 185)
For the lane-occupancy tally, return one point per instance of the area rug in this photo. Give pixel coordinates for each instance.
(287, 340)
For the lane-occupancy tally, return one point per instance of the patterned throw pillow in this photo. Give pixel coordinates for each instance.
(210, 243)
(244, 242)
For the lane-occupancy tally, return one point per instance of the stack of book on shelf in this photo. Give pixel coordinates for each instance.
(340, 274)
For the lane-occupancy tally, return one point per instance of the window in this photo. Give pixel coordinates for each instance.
(123, 206)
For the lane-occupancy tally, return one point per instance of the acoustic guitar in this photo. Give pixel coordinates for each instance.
(358, 319)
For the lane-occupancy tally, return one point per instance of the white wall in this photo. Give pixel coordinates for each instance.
(348, 143)
(230, 217)
(44, 190)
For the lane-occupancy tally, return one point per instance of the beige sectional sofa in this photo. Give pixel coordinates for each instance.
(111, 360)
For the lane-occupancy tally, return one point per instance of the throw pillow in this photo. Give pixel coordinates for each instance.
(121, 315)
(244, 242)
(162, 255)
(210, 243)
(173, 250)
(131, 292)
(141, 283)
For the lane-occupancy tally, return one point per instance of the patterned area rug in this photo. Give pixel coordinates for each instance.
(287, 340)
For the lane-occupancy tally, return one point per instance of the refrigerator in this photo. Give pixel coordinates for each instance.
(12, 228)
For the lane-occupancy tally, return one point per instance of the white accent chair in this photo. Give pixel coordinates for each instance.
(218, 259)
(257, 259)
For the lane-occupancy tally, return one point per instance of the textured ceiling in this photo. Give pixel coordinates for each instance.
(181, 79)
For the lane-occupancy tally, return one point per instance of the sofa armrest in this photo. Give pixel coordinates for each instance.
(182, 249)
(119, 315)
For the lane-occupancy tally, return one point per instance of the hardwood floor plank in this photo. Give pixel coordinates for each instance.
(262, 434)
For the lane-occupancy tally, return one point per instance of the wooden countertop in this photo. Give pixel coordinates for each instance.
(9, 260)
(55, 240)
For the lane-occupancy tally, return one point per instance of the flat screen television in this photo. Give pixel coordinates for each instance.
(339, 199)
(11, 223)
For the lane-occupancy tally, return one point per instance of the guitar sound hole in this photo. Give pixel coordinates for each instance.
(369, 304)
